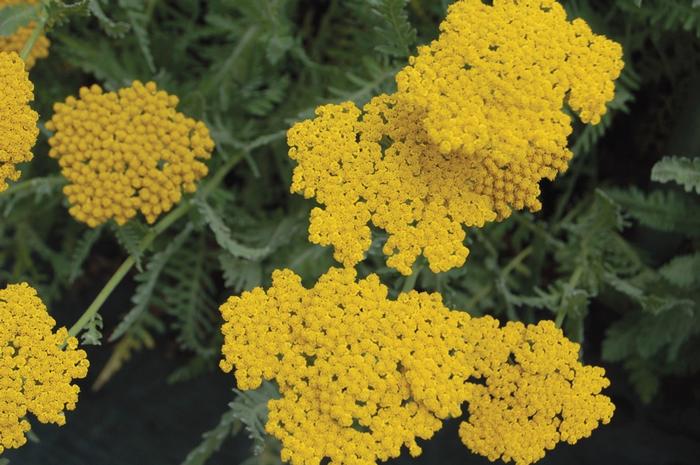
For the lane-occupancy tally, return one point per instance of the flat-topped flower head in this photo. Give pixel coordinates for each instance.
(126, 152)
(18, 129)
(477, 122)
(379, 166)
(16, 41)
(37, 366)
(361, 376)
(536, 395)
(494, 85)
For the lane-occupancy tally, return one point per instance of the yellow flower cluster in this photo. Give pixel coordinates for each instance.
(477, 122)
(36, 371)
(536, 394)
(18, 129)
(126, 151)
(361, 376)
(16, 41)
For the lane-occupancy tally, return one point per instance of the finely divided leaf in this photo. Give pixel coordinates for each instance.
(223, 234)
(670, 211)
(684, 171)
(148, 279)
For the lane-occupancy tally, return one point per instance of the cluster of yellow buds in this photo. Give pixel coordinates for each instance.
(127, 151)
(364, 375)
(477, 122)
(16, 41)
(37, 366)
(18, 122)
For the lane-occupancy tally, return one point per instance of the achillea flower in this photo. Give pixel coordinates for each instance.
(361, 376)
(18, 129)
(536, 394)
(476, 124)
(16, 41)
(494, 84)
(36, 371)
(126, 151)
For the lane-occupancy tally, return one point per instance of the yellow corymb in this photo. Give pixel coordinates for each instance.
(126, 152)
(16, 41)
(361, 375)
(18, 129)
(477, 122)
(37, 366)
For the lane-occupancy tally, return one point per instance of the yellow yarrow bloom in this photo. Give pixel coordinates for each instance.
(16, 41)
(494, 84)
(18, 129)
(126, 152)
(36, 370)
(361, 376)
(536, 394)
(475, 125)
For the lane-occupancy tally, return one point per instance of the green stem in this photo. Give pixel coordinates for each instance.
(569, 287)
(147, 241)
(410, 282)
(29, 45)
(516, 261)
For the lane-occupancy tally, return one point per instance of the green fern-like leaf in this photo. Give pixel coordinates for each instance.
(138, 19)
(93, 331)
(147, 282)
(81, 252)
(130, 236)
(682, 271)
(188, 296)
(222, 233)
(663, 210)
(239, 274)
(684, 171)
(250, 407)
(397, 35)
(116, 29)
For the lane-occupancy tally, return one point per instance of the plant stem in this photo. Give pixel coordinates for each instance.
(38, 30)
(159, 228)
(410, 282)
(569, 287)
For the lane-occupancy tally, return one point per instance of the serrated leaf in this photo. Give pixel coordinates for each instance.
(251, 408)
(665, 210)
(396, 33)
(138, 19)
(116, 29)
(684, 171)
(240, 274)
(189, 296)
(93, 331)
(683, 271)
(222, 233)
(148, 279)
(16, 16)
(58, 12)
(81, 252)
(130, 236)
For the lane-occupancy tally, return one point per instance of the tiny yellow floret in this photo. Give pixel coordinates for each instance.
(37, 366)
(126, 152)
(476, 124)
(18, 122)
(16, 41)
(361, 376)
